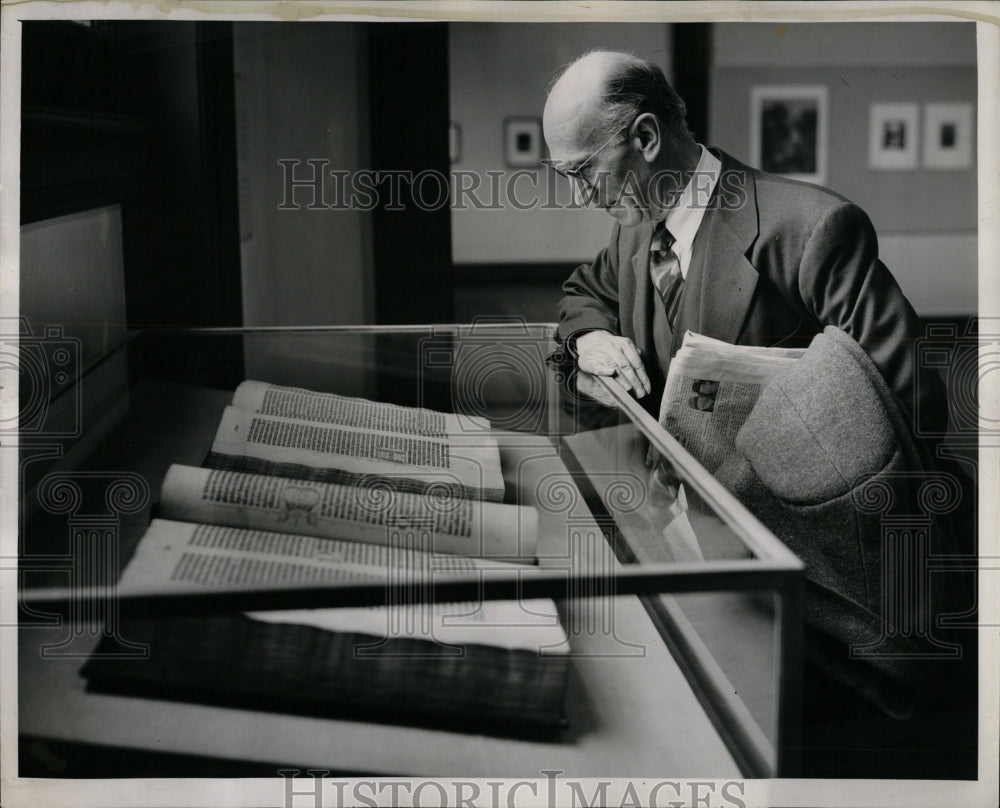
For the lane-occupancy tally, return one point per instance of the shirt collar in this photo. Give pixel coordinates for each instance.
(684, 218)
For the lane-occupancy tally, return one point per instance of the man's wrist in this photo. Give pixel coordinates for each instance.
(572, 338)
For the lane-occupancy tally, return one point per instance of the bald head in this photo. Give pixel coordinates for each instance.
(573, 108)
(604, 91)
(614, 124)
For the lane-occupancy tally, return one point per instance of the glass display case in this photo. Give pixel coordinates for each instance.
(681, 611)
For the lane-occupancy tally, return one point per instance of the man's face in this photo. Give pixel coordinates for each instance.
(607, 175)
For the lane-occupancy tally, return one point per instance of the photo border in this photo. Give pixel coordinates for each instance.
(19, 792)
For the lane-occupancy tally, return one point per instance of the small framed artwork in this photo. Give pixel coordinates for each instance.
(788, 126)
(948, 136)
(454, 142)
(892, 137)
(522, 142)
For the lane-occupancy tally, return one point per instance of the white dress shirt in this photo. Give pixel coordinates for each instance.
(685, 217)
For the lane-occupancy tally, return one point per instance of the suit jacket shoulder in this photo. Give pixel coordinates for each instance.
(763, 206)
(816, 257)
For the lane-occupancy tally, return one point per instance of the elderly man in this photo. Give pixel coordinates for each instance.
(704, 243)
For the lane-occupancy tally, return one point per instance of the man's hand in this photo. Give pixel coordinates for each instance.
(603, 354)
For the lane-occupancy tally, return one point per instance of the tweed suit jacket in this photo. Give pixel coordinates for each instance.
(773, 263)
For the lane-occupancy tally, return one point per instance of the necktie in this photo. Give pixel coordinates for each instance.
(665, 272)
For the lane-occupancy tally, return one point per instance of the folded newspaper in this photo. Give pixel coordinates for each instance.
(710, 389)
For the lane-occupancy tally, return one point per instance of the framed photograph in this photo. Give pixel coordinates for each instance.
(788, 125)
(892, 140)
(522, 142)
(948, 136)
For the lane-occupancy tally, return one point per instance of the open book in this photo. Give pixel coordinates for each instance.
(465, 664)
(710, 389)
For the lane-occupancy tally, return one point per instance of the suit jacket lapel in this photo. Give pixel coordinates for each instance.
(726, 280)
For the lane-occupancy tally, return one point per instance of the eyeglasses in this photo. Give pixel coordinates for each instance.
(575, 173)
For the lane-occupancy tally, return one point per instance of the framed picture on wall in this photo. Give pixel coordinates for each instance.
(788, 130)
(948, 136)
(522, 142)
(892, 138)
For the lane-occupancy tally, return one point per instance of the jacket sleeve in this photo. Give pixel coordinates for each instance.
(844, 284)
(590, 298)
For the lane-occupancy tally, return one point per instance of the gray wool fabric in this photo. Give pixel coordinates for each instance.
(826, 460)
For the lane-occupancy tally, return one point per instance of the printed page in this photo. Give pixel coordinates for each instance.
(261, 398)
(375, 515)
(185, 557)
(707, 345)
(471, 464)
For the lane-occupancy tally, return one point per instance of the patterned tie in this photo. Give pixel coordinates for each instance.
(665, 271)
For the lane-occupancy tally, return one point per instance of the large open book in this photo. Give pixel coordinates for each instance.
(461, 664)
(465, 664)
(711, 387)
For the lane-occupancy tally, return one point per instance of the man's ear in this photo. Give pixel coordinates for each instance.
(648, 136)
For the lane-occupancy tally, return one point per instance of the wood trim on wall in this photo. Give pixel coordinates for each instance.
(408, 85)
(217, 135)
(691, 68)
